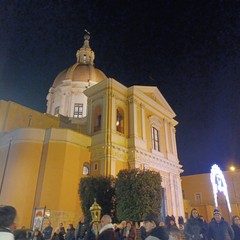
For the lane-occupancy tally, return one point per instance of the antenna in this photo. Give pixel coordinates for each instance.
(85, 30)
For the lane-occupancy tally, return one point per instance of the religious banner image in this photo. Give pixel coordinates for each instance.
(38, 218)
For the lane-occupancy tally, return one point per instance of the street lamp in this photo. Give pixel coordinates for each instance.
(232, 168)
(95, 210)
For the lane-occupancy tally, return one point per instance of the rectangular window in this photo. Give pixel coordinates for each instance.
(155, 139)
(56, 110)
(78, 110)
(198, 197)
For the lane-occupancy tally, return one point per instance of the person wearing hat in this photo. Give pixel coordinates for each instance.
(154, 232)
(219, 229)
(195, 228)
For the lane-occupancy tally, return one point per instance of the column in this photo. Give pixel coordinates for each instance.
(143, 122)
(166, 134)
(175, 143)
(132, 118)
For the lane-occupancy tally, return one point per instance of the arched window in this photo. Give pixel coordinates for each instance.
(120, 120)
(86, 168)
(84, 58)
(97, 120)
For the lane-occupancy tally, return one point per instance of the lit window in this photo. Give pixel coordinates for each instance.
(78, 110)
(56, 110)
(85, 170)
(84, 58)
(119, 121)
(155, 139)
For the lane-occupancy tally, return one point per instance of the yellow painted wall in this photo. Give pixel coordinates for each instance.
(48, 174)
(63, 170)
(201, 183)
(13, 115)
(3, 110)
(21, 178)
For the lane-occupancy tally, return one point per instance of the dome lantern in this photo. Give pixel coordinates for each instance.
(85, 55)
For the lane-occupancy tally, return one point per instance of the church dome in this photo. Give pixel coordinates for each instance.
(80, 73)
(83, 70)
(66, 96)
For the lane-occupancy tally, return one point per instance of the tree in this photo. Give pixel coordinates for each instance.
(137, 193)
(99, 188)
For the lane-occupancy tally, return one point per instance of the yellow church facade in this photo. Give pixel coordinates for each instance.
(93, 125)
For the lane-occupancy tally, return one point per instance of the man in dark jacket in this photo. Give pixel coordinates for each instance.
(151, 224)
(47, 232)
(219, 229)
(107, 229)
(81, 230)
(195, 227)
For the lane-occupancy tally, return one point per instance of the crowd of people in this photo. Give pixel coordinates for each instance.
(195, 228)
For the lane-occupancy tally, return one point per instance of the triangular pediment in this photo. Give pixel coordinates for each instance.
(154, 94)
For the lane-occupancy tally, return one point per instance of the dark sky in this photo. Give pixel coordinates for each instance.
(190, 50)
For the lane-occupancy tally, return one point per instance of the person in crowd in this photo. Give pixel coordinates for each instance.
(143, 233)
(181, 227)
(204, 228)
(169, 218)
(154, 231)
(20, 234)
(236, 227)
(194, 227)
(219, 229)
(7, 222)
(130, 232)
(70, 235)
(106, 231)
(37, 235)
(91, 232)
(57, 235)
(62, 229)
(118, 231)
(81, 230)
(173, 230)
(23, 233)
(47, 232)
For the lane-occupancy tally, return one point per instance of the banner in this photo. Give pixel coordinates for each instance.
(38, 218)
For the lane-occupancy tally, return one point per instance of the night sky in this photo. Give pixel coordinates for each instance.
(190, 50)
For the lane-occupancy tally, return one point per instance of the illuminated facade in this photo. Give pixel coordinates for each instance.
(94, 125)
(198, 193)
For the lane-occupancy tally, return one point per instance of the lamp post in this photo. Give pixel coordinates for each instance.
(95, 210)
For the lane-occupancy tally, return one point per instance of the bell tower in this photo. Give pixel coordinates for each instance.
(108, 126)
